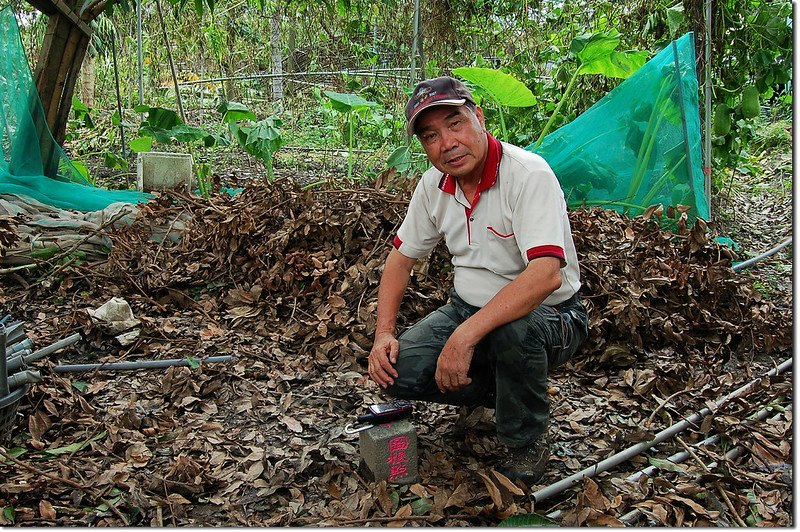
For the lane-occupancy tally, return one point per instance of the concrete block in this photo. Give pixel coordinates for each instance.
(389, 452)
(157, 171)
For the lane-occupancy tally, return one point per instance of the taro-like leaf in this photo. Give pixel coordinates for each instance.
(344, 103)
(400, 159)
(235, 111)
(142, 144)
(596, 55)
(504, 88)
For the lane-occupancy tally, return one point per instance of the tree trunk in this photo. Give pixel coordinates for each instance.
(58, 68)
(87, 80)
(277, 55)
(291, 46)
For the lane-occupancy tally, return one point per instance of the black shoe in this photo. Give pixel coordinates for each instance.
(527, 464)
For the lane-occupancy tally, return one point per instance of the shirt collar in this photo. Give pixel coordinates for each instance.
(491, 168)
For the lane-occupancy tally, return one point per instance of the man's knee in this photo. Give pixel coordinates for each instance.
(517, 340)
(416, 369)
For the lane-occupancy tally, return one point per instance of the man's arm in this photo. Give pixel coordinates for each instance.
(537, 281)
(385, 349)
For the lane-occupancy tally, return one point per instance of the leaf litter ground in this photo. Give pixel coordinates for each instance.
(286, 281)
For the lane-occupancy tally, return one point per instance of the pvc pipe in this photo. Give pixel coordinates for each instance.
(15, 332)
(749, 262)
(23, 377)
(25, 344)
(680, 457)
(142, 364)
(730, 455)
(3, 362)
(669, 432)
(19, 361)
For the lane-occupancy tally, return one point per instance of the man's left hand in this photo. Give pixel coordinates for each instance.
(454, 362)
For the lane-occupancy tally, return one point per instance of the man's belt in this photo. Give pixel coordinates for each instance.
(573, 300)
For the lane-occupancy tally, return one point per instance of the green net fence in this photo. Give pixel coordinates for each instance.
(640, 144)
(33, 164)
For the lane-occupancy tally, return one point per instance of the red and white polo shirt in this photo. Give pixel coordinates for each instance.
(519, 214)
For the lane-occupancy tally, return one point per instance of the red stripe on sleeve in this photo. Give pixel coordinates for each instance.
(397, 242)
(546, 251)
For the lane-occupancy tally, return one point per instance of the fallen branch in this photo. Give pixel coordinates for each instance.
(719, 487)
(68, 482)
(14, 269)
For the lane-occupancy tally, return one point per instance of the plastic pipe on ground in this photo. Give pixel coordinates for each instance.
(15, 332)
(730, 455)
(680, 457)
(142, 364)
(19, 361)
(23, 345)
(749, 262)
(23, 377)
(3, 363)
(627, 454)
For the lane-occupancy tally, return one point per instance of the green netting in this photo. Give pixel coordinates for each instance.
(640, 144)
(33, 164)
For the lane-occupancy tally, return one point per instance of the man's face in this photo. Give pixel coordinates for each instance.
(454, 140)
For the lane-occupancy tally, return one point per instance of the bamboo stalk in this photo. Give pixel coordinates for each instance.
(119, 100)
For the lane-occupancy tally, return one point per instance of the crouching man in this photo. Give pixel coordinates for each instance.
(514, 312)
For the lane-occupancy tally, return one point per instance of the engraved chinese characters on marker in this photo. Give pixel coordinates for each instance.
(397, 458)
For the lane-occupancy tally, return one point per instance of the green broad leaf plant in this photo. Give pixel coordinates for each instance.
(503, 89)
(596, 54)
(259, 138)
(349, 105)
(164, 126)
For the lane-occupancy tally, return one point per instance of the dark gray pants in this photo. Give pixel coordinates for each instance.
(509, 367)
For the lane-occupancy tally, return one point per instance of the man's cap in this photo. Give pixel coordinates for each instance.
(437, 91)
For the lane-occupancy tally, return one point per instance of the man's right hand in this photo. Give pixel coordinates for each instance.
(382, 359)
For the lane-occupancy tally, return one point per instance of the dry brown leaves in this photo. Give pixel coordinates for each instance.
(313, 263)
(286, 281)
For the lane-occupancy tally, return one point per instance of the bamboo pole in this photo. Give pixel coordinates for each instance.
(139, 54)
(65, 102)
(415, 43)
(707, 110)
(119, 98)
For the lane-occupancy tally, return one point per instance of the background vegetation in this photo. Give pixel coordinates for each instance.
(226, 55)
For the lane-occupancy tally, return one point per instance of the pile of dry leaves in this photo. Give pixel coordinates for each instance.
(286, 282)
